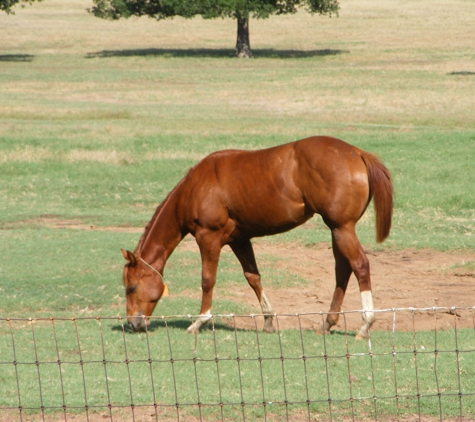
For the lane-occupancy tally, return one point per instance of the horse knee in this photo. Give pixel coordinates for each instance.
(361, 267)
(207, 284)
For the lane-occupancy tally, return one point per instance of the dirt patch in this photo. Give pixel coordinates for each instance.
(148, 414)
(401, 280)
(55, 221)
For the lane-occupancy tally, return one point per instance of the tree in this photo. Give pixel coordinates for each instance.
(240, 10)
(6, 5)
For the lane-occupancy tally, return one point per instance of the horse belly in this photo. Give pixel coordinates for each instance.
(266, 217)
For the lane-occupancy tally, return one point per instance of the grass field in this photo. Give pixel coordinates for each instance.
(167, 366)
(99, 120)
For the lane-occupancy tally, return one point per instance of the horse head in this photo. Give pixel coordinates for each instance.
(144, 287)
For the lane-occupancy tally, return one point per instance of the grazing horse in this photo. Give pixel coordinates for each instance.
(232, 196)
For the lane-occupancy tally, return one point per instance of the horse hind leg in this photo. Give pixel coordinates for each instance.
(266, 310)
(350, 257)
(245, 254)
(342, 274)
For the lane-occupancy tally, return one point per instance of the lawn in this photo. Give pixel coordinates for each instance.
(99, 120)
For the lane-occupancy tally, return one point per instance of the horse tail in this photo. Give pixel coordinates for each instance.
(381, 190)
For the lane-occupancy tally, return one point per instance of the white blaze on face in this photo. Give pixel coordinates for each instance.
(367, 305)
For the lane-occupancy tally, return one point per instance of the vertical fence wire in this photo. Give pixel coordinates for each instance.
(327, 374)
(81, 363)
(218, 378)
(261, 372)
(457, 358)
(60, 374)
(150, 367)
(15, 365)
(238, 361)
(227, 372)
(304, 361)
(282, 359)
(127, 366)
(373, 386)
(104, 365)
(195, 360)
(172, 363)
(351, 378)
(394, 361)
(414, 348)
(37, 364)
(436, 355)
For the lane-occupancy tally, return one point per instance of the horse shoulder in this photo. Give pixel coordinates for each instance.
(201, 202)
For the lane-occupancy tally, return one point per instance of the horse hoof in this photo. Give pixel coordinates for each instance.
(192, 330)
(323, 329)
(269, 330)
(360, 336)
(319, 332)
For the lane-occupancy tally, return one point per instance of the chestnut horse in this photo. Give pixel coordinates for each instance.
(232, 196)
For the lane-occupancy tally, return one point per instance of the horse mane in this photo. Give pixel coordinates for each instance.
(150, 224)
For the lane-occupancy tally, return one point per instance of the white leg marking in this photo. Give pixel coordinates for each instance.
(267, 311)
(201, 320)
(265, 305)
(367, 304)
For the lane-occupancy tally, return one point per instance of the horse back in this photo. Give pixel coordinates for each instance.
(267, 191)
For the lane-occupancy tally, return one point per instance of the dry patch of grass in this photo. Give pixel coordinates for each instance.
(400, 63)
(30, 154)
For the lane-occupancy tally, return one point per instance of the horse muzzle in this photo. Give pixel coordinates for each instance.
(137, 322)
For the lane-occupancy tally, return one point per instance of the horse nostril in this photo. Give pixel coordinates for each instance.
(135, 323)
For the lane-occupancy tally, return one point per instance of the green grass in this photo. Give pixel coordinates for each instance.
(99, 120)
(105, 136)
(432, 178)
(167, 366)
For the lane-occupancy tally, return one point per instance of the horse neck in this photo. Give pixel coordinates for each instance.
(161, 235)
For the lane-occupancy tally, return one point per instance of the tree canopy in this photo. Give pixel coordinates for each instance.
(241, 10)
(6, 5)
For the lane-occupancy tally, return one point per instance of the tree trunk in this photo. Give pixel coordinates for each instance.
(243, 46)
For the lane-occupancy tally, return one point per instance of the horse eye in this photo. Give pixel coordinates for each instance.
(131, 289)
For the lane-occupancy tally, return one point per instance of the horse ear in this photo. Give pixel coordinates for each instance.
(129, 256)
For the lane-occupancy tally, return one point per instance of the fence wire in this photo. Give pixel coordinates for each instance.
(96, 368)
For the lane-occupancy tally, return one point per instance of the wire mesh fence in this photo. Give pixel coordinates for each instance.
(97, 369)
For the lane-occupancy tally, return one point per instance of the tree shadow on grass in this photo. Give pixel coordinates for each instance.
(462, 73)
(214, 53)
(16, 58)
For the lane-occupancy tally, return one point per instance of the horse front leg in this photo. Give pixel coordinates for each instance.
(245, 254)
(210, 251)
